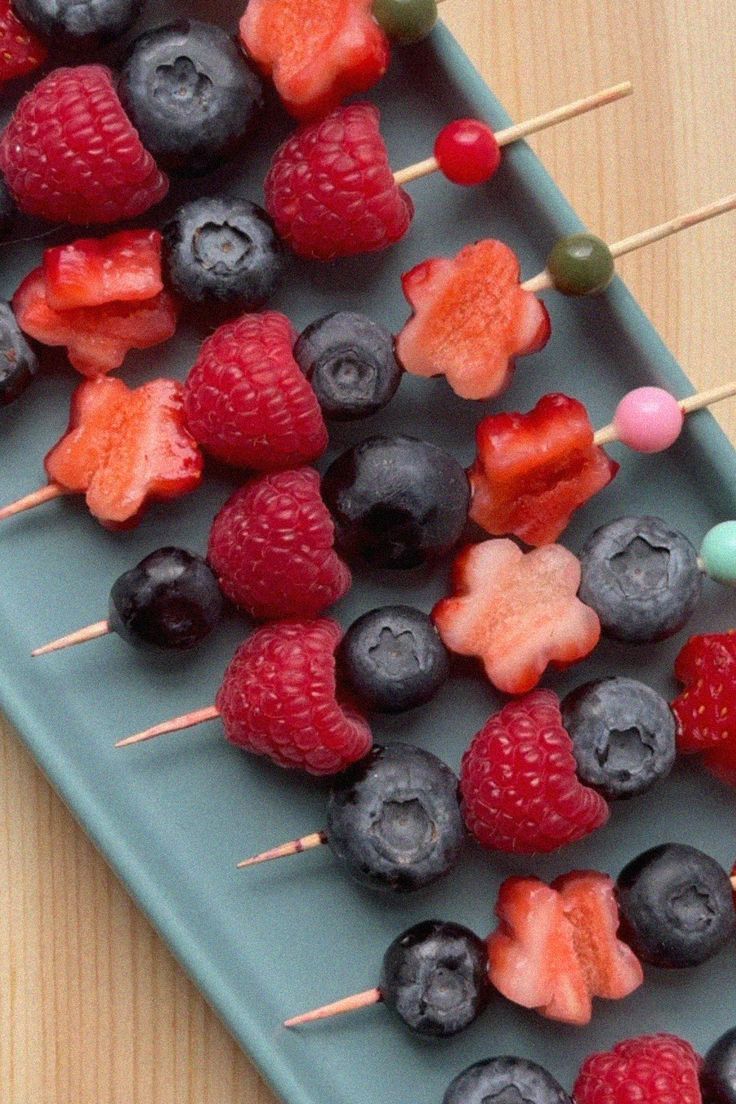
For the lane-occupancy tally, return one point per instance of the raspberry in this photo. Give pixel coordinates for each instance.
(653, 1069)
(20, 51)
(518, 783)
(330, 189)
(70, 153)
(271, 546)
(278, 699)
(247, 401)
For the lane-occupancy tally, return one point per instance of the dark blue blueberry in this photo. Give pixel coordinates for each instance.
(641, 578)
(351, 364)
(392, 659)
(676, 906)
(623, 735)
(718, 1073)
(396, 501)
(80, 25)
(169, 600)
(394, 819)
(18, 363)
(223, 252)
(191, 95)
(8, 210)
(435, 976)
(505, 1081)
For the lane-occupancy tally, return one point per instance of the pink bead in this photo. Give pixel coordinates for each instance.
(648, 419)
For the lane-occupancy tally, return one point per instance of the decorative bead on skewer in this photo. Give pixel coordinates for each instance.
(472, 317)
(343, 156)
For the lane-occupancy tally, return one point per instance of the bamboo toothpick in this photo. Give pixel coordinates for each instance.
(81, 636)
(609, 433)
(530, 126)
(175, 724)
(543, 279)
(337, 1008)
(35, 498)
(293, 847)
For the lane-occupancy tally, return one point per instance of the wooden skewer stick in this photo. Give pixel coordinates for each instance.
(645, 237)
(90, 632)
(175, 724)
(347, 1004)
(35, 498)
(609, 433)
(530, 126)
(293, 847)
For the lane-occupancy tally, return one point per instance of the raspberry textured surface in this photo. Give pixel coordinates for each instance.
(517, 611)
(556, 946)
(471, 319)
(124, 448)
(705, 711)
(20, 50)
(518, 784)
(278, 699)
(653, 1069)
(330, 189)
(97, 339)
(317, 52)
(91, 272)
(248, 402)
(271, 547)
(70, 153)
(532, 471)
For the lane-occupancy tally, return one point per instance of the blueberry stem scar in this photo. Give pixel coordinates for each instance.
(90, 632)
(530, 126)
(699, 401)
(347, 1004)
(292, 847)
(175, 724)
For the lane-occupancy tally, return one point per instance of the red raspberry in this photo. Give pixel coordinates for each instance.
(653, 1069)
(247, 400)
(518, 783)
(330, 189)
(70, 153)
(20, 51)
(278, 699)
(271, 546)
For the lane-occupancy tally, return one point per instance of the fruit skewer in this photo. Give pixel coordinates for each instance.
(451, 297)
(304, 168)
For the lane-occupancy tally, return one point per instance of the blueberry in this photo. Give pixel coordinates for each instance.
(351, 364)
(18, 363)
(169, 600)
(676, 906)
(623, 735)
(505, 1081)
(392, 659)
(435, 976)
(396, 501)
(78, 25)
(718, 1073)
(191, 95)
(394, 819)
(223, 252)
(641, 578)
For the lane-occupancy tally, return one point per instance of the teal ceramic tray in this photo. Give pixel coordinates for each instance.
(172, 817)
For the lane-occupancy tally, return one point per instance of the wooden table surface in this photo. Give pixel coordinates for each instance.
(93, 1010)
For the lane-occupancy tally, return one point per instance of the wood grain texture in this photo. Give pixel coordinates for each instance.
(93, 1010)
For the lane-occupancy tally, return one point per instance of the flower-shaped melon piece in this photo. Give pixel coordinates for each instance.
(556, 946)
(517, 612)
(533, 470)
(317, 52)
(124, 448)
(471, 319)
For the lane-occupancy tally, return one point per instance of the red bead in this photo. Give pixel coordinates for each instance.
(467, 151)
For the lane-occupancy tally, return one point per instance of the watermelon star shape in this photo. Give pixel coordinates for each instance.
(125, 447)
(532, 471)
(518, 612)
(471, 319)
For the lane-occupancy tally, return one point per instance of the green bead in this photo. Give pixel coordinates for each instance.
(580, 264)
(406, 21)
(718, 552)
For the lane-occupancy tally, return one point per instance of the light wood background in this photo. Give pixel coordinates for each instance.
(93, 1010)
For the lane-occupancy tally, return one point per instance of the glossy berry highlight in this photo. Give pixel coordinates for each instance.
(467, 152)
